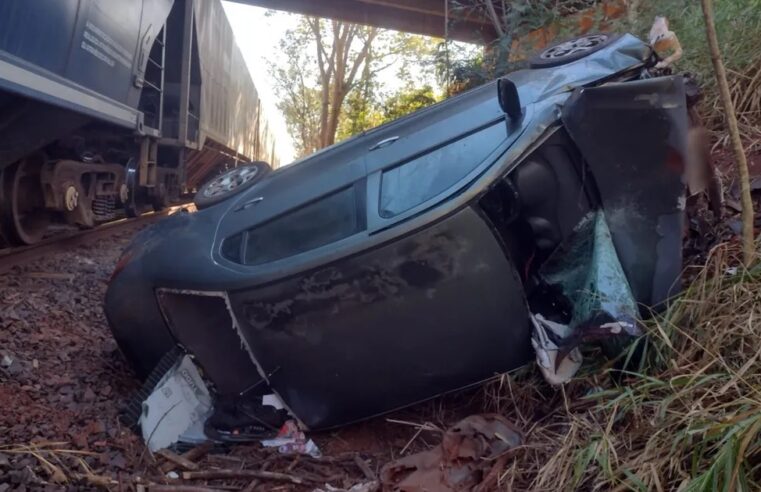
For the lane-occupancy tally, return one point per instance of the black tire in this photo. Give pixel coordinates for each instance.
(238, 179)
(571, 50)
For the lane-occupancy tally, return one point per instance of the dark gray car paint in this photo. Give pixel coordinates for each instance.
(639, 179)
(306, 331)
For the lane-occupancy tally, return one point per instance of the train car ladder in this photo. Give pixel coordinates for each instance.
(153, 82)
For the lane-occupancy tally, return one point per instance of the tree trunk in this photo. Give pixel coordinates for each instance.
(734, 133)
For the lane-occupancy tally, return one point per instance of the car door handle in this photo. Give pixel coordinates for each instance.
(384, 143)
(247, 204)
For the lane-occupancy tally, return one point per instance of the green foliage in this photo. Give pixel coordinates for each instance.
(407, 101)
(459, 69)
(738, 23)
(365, 111)
(319, 108)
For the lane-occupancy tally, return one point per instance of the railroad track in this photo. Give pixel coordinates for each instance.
(11, 257)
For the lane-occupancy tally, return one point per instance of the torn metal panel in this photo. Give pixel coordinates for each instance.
(202, 324)
(588, 270)
(236, 374)
(633, 136)
(539, 84)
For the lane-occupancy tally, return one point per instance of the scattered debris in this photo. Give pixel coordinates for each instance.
(190, 457)
(291, 440)
(555, 370)
(462, 462)
(176, 459)
(360, 487)
(663, 41)
(266, 475)
(179, 405)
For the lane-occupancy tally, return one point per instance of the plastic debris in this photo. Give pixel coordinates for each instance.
(544, 338)
(291, 440)
(273, 400)
(180, 404)
(664, 40)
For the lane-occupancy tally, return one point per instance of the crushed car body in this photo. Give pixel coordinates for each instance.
(412, 260)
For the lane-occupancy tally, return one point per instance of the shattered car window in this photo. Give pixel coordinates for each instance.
(325, 221)
(421, 179)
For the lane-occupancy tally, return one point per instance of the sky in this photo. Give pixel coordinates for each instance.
(257, 35)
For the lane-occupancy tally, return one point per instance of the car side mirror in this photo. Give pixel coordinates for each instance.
(509, 100)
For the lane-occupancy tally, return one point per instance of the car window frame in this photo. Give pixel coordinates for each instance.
(360, 204)
(376, 222)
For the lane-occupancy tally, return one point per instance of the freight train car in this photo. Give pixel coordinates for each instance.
(109, 105)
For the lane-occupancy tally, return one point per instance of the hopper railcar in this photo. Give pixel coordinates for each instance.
(117, 105)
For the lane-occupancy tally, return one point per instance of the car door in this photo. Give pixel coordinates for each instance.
(406, 314)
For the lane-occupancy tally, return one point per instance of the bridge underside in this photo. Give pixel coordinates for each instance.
(426, 17)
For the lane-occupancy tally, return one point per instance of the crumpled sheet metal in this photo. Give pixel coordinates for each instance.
(633, 137)
(537, 84)
(466, 459)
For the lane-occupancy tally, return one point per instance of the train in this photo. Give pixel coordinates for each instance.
(113, 107)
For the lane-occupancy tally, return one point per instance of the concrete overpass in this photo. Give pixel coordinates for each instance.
(426, 17)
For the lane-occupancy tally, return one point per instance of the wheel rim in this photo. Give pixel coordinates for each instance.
(29, 217)
(230, 181)
(580, 45)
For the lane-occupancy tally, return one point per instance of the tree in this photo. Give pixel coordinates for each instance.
(298, 100)
(337, 52)
(327, 79)
(734, 132)
(364, 111)
(338, 62)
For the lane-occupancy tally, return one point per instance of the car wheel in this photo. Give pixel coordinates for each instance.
(571, 50)
(230, 183)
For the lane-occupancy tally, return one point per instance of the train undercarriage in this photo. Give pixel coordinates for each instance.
(81, 189)
(109, 110)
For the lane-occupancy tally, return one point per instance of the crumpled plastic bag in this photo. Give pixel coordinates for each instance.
(466, 459)
(291, 440)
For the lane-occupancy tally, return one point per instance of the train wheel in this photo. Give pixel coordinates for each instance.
(27, 217)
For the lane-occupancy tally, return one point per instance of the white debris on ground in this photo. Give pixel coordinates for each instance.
(179, 405)
(291, 440)
(547, 351)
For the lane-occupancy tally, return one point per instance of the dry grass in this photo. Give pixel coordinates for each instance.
(686, 417)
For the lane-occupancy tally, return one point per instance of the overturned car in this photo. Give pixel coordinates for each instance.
(416, 258)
